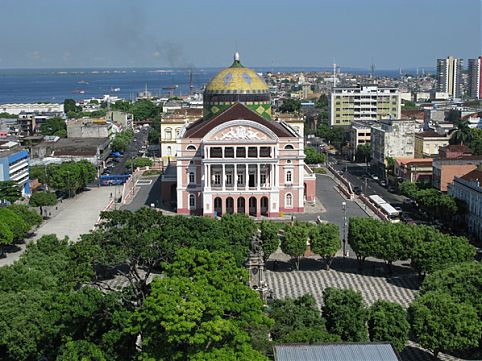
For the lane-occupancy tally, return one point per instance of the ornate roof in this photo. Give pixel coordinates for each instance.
(237, 80)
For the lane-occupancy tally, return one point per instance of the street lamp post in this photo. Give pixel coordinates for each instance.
(343, 204)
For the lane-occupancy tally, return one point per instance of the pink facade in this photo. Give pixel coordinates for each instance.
(239, 162)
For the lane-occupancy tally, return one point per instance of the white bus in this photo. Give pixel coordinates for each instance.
(385, 207)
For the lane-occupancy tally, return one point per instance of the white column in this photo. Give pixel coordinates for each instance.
(223, 179)
(246, 177)
(276, 175)
(235, 177)
(271, 183)
(258, 177)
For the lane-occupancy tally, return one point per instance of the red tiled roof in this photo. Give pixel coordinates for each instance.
(458, 148)
(477, 114)
(476, 174)
(201, 127)
(412, 113)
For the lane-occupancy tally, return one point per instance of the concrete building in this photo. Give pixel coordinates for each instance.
(14, 165)
(453, 161)
(59, 150)
(360, 133)
(89, 128)
(428, 142)
(394, 139)
(363, 102)
(449, 76)
(237, 159)
(35, 108)
(125, 120)
(414, 170)
(468, 188)
(475, 78)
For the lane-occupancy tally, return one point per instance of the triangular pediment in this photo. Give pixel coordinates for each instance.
(237, 112)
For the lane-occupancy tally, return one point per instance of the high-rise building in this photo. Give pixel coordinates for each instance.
(363, 103)
(475, 78)
(449, 76)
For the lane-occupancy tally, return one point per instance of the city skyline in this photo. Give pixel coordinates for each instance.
(406, 34)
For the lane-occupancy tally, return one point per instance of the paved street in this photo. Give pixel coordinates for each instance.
(77, 216)
(132, 151)
(148, 191)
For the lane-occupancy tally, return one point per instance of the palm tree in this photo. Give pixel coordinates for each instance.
(462, 134)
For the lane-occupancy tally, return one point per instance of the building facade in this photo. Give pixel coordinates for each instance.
(238, 159)
(475, 78)
(392, 139)
(360, 133)
(469, 189)
(453, 161)
(89, 128)
(363, 102)
(449, 76)
(427, 143)
(14, 165)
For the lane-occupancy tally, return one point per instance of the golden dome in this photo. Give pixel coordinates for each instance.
(237, 80)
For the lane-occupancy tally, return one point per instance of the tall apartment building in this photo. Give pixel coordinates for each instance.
(475, 78)
(449, 76)
(363, 103)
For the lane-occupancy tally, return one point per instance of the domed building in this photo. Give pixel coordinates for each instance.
(236, 84)
(236, 159)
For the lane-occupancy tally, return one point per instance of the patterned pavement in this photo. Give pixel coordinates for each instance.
(372, 282)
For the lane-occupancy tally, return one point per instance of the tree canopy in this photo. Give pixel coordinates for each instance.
(325, 241)
(9, 191)
(295, 241)
(41, 199)
(71, 177)
(387, 322)
(290, 106)
(54, 126)
(314, 157)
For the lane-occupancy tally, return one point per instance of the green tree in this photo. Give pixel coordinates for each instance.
(476, 141)
(153, 137)
(363, 153)
(325, 241)
(298, 320)
(270, 238)
(71, 177)
(30, 216)
(409, 105)
(462, 134)
(462, 282)
(409, 189)
(290, 106)
(365, 236)
(387, 322)
(15, 222)
(144, 109)
(122, 105)
(393, 247)
(238, 230)
(346, 314)
(41, 199)
(295, 241)
(9, 191)
(185, 317)
(390, 165)
(38, 172)
(54, 126)
(6, 235)
(139, 163)
(314, 157)
(440, 323)
(71, 106)
(80, 350)
(438, 250)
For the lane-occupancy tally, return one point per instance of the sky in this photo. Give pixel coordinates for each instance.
(205, 33)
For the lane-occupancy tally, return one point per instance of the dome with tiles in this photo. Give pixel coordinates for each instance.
(237, 84)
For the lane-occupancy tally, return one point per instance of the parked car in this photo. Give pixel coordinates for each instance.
(409, 202)
(383, 183)
(399, 209)
(357, 190)
(374, 177)
(391, 189)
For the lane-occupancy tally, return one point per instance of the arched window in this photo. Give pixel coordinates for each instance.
(168, 134)
(191, 147)
(177, 132)
(192, 201)
(289, 176)
(289, 200)
(169, 151)
(289, 146)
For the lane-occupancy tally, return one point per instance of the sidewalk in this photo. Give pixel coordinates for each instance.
(72, 218)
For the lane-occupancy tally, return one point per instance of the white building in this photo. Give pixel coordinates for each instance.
(31, 108)
(360, 133)
(392, 139)
(363, 102)
(469, 189)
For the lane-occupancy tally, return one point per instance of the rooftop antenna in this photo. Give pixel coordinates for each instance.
(334, 73)
(190, 82)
